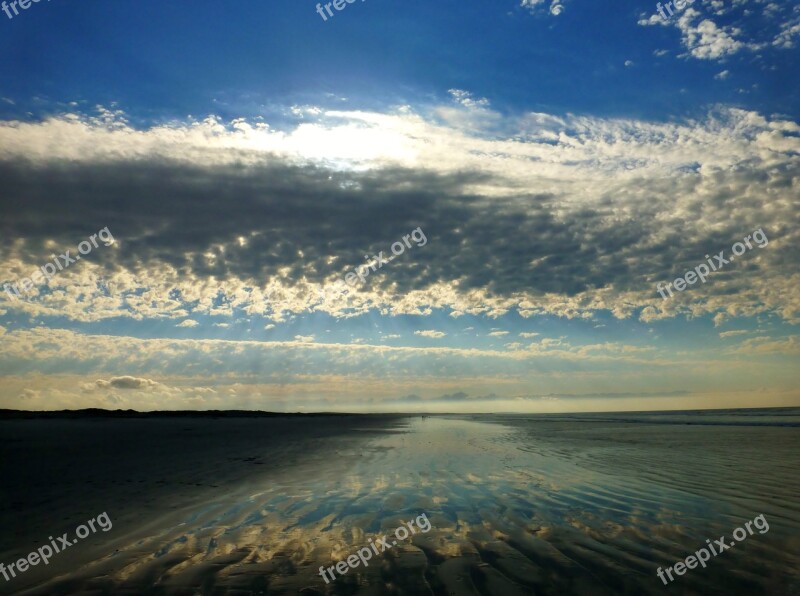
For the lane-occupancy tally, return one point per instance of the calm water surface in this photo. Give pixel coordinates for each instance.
(517, 505)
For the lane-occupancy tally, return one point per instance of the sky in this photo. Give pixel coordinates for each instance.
(524, 178)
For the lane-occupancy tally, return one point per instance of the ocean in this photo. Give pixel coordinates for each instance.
(517, 504)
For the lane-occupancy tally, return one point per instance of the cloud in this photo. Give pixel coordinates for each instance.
(461, 396)
(430, 333)
(600, 211)
(744, 29)
(789, 346)
(126, 382)
(465, 99)
(458, 396)
(734, 333)
(705, 40)
(29, 394)
(540, 6)
(79, 370)
(789, 30)
(498, 333)
(59, 350)
(610, 395)
(527, 334)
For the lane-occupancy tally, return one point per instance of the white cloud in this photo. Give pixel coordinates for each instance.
(430, 333)
(465, 99)
(789, 30)
(733, 333)
(540, 6)
(705, 39)
(653, 177)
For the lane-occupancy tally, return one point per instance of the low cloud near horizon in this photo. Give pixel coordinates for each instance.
(540, 227)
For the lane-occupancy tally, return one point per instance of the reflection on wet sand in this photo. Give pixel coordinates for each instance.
(518, 505)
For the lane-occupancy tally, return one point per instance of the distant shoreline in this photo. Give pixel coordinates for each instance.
(100, 413)
(7, 414)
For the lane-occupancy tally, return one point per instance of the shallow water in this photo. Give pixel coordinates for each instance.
(517, 505)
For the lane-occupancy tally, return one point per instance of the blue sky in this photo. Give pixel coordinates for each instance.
(160, 59)
(562, 158)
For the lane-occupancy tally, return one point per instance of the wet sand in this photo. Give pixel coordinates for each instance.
(148, 475)
(518, 504)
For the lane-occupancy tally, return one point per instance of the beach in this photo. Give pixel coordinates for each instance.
(518, 504)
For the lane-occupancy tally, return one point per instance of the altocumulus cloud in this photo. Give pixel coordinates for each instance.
(430, 333)
(748, 27)
(534, 213)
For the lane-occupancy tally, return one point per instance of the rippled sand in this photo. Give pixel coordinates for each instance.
(517, 504)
